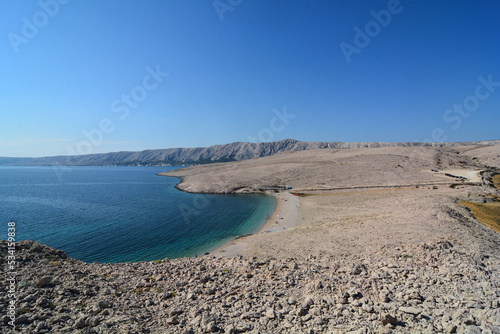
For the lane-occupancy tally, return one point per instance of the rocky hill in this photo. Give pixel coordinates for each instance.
(420, 288)
(200, 155)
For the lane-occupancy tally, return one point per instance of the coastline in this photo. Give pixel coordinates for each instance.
(345, 208)
(285, 216)
(222, 247)
(376, 243)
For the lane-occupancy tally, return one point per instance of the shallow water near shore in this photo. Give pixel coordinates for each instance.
(120, 214)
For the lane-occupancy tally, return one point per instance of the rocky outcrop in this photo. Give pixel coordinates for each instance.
(216, 153)
(418, 288)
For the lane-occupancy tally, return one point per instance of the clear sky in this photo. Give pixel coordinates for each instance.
(100, 76)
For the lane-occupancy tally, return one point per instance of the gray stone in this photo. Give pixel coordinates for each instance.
(410, 310)
(384, 297)
(386, 318)
(105, 304)
(451, 328)
(357, 269)
(23, 318)
(44, 281)
(270, 313)
(367, 308)
(415, 295)
(384, 330)
(472, 330)
(208, 322)
(81, 322)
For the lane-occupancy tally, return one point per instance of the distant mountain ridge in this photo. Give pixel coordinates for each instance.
(199, 155)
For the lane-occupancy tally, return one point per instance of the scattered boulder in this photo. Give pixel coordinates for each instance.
(208, 295)
(104, 304)
(44, 281)
(386, 318)
(81, 322)
(358, 269)
(410, 310)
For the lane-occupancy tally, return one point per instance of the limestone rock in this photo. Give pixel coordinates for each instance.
(386, 318)
(44, 281)
(410, 310)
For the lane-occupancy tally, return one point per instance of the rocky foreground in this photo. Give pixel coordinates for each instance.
(419, 288)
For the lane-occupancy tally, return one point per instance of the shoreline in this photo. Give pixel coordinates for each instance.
(218, 248)
(214, 250)
(372, 214)
(285, 216)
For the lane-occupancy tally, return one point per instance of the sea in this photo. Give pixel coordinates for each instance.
(122, 213)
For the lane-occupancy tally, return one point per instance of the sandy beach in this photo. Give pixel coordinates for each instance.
(357, 201)
(364, 222)
(284, 217)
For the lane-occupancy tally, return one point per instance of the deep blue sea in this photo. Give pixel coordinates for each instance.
(119, 214)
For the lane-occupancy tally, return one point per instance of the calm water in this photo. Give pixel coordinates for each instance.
(118, 214)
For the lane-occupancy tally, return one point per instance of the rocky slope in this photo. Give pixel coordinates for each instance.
(217, 153)
(415, 288)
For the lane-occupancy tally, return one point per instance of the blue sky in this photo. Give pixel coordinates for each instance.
(100, 76)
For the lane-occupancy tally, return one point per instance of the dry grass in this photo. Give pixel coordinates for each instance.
(496, 181)
(487, 214)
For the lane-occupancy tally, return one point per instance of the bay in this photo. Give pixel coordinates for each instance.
(121, 214)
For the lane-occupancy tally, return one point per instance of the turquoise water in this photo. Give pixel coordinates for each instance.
(119, 214)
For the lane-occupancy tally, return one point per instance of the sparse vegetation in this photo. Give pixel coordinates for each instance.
(81, 306)
(24, 282)
(487, 213)
(496, 181)
(24, 310)
(454, 185)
